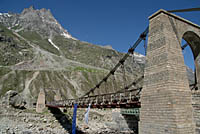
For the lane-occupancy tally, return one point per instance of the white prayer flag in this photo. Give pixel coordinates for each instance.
(87, 114)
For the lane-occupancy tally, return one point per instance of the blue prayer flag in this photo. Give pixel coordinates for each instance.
(74, 120)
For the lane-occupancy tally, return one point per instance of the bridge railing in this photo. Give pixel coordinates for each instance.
(122, 97)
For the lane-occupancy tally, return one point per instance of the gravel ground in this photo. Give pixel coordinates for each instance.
(15, 121)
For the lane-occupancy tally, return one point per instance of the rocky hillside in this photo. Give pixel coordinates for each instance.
(38, 53)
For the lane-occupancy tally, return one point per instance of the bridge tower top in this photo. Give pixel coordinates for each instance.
(162, 11)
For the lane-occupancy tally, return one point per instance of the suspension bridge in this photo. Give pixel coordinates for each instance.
(165, 99)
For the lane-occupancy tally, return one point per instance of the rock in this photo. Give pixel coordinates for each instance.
(7, 96)
(1, 30)
(18, 102)
(86, 127)
(26, 132)
(95, 117)
(14, 99)
(27, 120)
(30, 125)
(9, 39)
(48, 125)
(45, 120)
(40, 129)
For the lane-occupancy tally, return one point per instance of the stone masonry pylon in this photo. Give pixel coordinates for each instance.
(166, 106)
(40, 102)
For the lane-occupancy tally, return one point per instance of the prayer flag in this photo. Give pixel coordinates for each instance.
(87, 114)
(74, 120)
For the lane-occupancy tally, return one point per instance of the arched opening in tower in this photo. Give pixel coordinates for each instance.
(189, 62)
(192, 55)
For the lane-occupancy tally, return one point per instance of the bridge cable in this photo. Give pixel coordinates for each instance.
(184, 46)
(121, 61)
(195, 76)
(145, 46)
(114, 82)
(124, 75)
(105, 86)
(184, 10)
(133, 58)
(134, 83)
(195, 79)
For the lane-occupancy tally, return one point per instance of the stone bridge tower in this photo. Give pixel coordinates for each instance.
(166, 103)
(40, 106)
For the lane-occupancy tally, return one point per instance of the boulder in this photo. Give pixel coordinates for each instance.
(1, 38)
(14, 99)
(1, 30)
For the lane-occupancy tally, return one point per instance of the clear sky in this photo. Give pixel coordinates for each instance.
(107, 22)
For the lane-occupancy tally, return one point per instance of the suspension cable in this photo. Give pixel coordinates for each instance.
(145, 46)
(184, 46)
(121, 61)
(134, 83)
(114, 81)
(124, 75)
(184, 10)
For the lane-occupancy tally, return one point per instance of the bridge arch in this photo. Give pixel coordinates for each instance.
(193, 40)
(166, 99)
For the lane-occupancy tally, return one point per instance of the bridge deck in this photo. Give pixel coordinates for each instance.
(125, 99)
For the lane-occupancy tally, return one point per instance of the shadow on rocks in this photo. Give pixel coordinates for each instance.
(63, 120)
(132, 122)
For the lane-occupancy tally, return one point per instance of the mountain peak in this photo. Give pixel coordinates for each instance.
(43, 22)
(39, 20)
(30, 9)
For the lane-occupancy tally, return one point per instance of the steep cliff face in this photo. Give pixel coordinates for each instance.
(37, 53)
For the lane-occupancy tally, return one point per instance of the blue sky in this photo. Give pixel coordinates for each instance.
(107, 22)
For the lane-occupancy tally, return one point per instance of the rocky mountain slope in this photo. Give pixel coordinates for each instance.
(38, 53)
